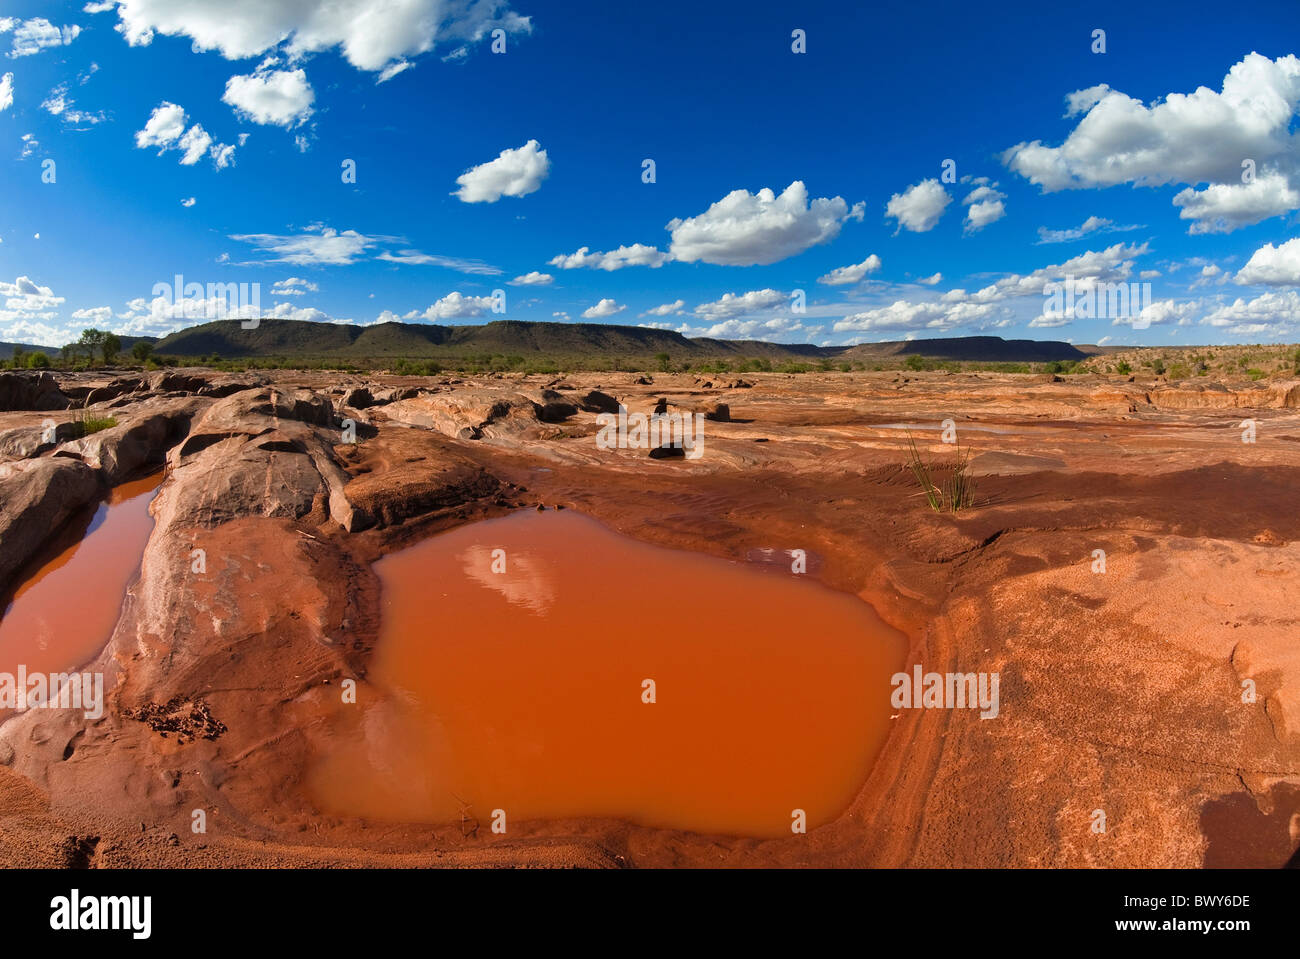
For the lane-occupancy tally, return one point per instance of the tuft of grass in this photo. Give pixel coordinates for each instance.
(960, 485)
(83, 424)
(921, 470)
(93, 424)
(955, 492)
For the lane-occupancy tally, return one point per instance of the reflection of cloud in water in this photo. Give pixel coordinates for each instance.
(379, 723)
(405, 748)
(526, 581)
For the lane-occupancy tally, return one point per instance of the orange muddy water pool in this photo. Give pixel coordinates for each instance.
(64, 612)
(511, 672)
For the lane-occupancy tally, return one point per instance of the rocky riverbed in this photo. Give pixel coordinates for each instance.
(1160, 688)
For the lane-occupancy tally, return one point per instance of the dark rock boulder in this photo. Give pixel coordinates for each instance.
(359, 398)
(30, 391)
(552, 407)
(598, 402)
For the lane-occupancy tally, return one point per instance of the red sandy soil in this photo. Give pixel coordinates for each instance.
(1120, 691)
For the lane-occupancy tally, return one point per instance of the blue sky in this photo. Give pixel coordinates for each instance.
(775, 171)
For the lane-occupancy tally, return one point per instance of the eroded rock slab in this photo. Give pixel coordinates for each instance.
(36, 498)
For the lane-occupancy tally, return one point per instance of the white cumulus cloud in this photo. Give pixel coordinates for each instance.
(293, 286)
(666, 309)
(1272, 266)
(605, 307)
(901, 316)
(281, 98)
(1276, 313)
(164, 127)
(533, 278)
(371, 36)
(25, 308)
(844, 275)
(919, 207)
(1224, 207)
(1200, 137)
(778, 328)
(454, 305)
(98, 315)
(166, 130)
(731, 304)
(983, 206)
(638, 254)
(747, 229)
(33, 36)
(194, 144)
(516, 172)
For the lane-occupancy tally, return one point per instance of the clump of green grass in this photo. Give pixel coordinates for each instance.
(956, 491)
(93, 424)
(83, 423)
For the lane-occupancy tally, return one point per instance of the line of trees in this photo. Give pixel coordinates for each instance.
(31, 361)
(92, 345)
(108, 345)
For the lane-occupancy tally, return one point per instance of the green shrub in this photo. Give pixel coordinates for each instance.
(416, 368)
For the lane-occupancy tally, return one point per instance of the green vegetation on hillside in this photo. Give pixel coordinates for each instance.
(1223, 363)
(515, 346)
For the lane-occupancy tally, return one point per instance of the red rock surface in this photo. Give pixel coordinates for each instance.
(1121, 691)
